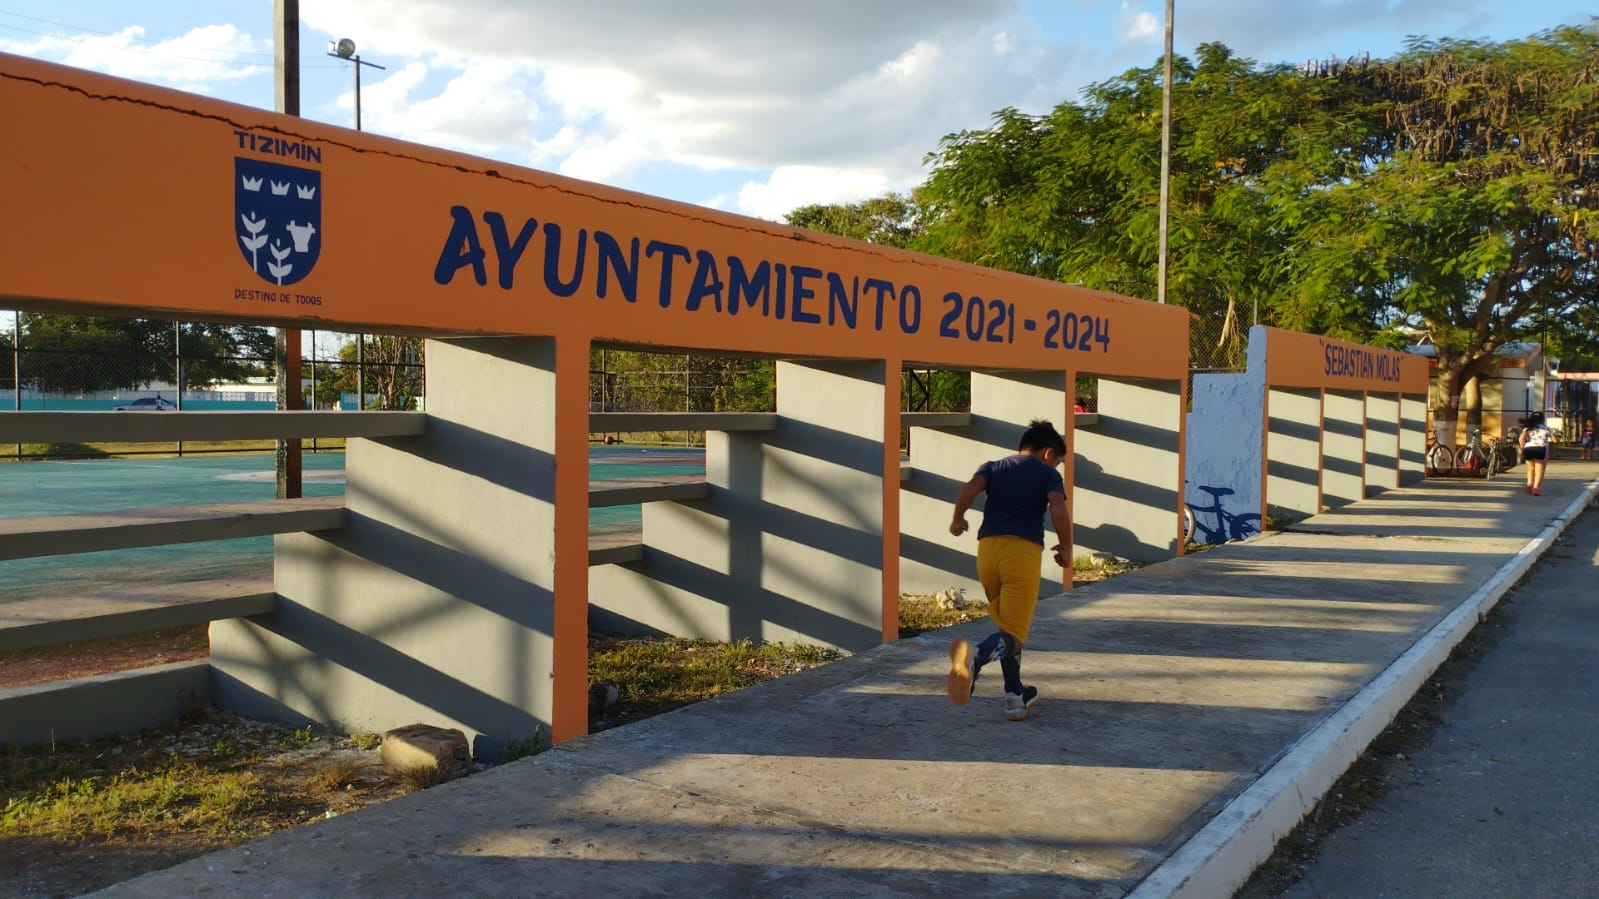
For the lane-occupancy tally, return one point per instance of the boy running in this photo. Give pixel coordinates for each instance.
(1010, 544)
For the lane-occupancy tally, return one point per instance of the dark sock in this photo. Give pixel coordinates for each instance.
(1012, 666)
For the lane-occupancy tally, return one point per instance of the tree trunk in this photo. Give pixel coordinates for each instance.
(1446, 411)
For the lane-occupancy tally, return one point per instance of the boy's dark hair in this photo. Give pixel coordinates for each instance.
(1041, 435)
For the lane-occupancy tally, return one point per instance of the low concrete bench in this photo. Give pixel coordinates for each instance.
(171, 427)
(131, 610)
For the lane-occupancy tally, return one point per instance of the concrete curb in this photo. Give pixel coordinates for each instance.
(1221, 856)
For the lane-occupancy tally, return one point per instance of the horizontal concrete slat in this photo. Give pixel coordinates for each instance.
(627, 491)
(132, 610)
(54, 535)
(91, 707)
(626, 422)
(935, 419)
(170, 427)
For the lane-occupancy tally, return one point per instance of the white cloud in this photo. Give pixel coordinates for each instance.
(197, 60)
(1143, 27)
(836, 96)
(792, 186)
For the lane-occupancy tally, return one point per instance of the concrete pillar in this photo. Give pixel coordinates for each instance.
(788, 546)
(1223, 446)
(1293, 453)
(435, 603)
(1382, 442)
(942, 459)
(1128, 472)
(1343, 448)
(1412, 438)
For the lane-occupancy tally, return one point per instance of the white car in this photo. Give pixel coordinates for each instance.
(146, 404)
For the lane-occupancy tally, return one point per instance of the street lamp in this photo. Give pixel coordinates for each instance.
(344, 48)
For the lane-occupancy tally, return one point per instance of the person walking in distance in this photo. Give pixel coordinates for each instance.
(1535, 439)
(1588, 439)
(1010, 545)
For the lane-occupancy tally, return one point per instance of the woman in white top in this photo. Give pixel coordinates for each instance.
(1535, 439)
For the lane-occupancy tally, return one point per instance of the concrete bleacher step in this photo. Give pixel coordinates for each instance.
(54, 535)
(170, 427)
(130, 610)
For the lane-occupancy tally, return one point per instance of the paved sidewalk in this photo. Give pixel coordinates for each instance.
(1190, 712)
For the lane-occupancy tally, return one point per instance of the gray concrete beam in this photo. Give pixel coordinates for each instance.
(130, 610)
(54, 535)
(171, 427)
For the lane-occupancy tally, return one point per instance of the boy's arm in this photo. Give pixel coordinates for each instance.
(1063, 527)
(964, 500)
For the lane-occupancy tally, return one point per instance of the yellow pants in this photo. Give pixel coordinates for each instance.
(1009, 570)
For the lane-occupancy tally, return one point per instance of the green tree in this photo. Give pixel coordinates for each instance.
(890, 220)
(390, 372)
(84, 354)
(1468, 210)
(1074, 195)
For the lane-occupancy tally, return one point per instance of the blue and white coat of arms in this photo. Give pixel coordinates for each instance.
(278, 217)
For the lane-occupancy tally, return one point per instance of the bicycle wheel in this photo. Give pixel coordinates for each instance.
(1471, 458)
(1188, 524)
(1440, 458)
(1496, 461)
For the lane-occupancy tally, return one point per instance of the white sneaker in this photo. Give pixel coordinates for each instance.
(1017, 705)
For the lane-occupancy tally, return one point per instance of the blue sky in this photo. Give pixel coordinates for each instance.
(754, 106)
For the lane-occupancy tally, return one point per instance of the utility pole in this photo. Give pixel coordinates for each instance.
(1165, 160)
(286, 25)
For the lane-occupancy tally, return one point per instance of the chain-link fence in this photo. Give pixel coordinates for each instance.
(93, 363)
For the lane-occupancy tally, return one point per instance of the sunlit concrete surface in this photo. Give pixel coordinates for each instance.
(1172, 698)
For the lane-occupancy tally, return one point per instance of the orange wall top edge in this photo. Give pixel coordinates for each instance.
(123, 196)
(1295, 359)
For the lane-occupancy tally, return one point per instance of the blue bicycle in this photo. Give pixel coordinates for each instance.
(1228, 525)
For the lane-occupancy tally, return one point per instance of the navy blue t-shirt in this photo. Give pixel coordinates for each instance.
(1018, 495)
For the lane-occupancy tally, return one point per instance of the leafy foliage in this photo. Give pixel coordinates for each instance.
(83, 354)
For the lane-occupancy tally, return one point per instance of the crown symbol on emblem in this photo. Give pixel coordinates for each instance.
(306, 193)
(280, 188)
(252, 183)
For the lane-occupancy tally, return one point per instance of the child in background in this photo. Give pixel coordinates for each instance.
(1588, 439)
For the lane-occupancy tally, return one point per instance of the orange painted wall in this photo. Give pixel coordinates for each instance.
(123, 195)
(131, 199)
(1307, 361)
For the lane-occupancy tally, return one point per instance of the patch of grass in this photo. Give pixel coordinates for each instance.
(521, 749)
(32, 452)
(366, 741)
(133, 800)
(338, 774)
(920, 614)
(658, 674)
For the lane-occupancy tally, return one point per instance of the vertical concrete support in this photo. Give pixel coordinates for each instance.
(1343, 448)
(1293, 453)
(1127, 498)
(435, 603)
(789, 544)
(942, 459)
(1222, 449)
(1412, 438)
(1382, 442)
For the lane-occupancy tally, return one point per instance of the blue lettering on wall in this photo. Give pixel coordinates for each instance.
(667, 252)
(462, 248)
(707, 282)
(552, 261)
(846, 305)
(611, 261)
(507, 251)
(749, 286)
(727, 283)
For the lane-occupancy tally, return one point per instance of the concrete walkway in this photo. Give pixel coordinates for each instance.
(1190, 712)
